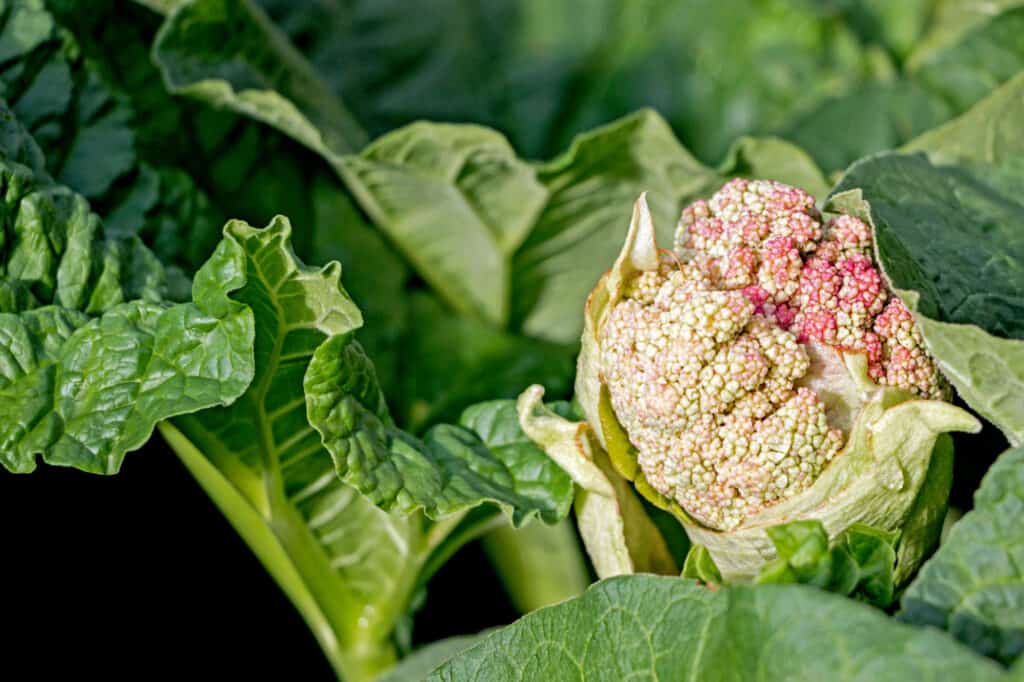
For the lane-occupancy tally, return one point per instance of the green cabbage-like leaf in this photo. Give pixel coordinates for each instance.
(228, 53)
(648, 627)
(92, 355)
(456, 201)
(974, 585)
(87, 137)
(965, 287)
(859, 563)
(448, 471)
(349, 568)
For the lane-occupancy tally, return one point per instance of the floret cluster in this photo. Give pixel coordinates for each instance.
(703, 357)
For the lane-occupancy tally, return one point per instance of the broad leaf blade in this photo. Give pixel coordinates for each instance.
(93, 355)
(88, 133)
(646, 627)
(356, 564)
(231, 55)
(965, 285)
(974, 585)
(456, 201)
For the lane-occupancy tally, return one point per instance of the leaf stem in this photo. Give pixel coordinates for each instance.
(282, 549)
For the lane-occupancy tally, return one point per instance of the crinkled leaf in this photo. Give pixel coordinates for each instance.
(93, 357)
(647, 627)
(252, 169)
(859, 563)
(448, 471)
(88, 133)
(349, 568)
(974, 585)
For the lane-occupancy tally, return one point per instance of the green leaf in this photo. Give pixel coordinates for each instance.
(860, 563)
(985, 57)
(456, 201)
(974, 585)
(87, 131)
(874, 117)
(252, 170)
(646, 627)
(92, 356)
(592, 188)
(349, 568)
(953, 19)
(231, 55)
(988, 132)
(938, 84)
(451, 470)
(770, 158)
(964, 285)
(457, 361)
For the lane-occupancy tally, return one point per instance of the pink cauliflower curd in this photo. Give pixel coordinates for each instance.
(707, 359)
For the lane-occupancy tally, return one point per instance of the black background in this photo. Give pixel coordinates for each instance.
(139, 574)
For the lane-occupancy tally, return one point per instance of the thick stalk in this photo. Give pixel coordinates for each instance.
(284, 547)
(539, 564)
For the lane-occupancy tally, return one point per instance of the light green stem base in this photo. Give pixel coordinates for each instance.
(283, 548)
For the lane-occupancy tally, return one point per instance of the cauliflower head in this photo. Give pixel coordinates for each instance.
(761, 372)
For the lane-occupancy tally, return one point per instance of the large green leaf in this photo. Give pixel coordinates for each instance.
(228, 53)
(87, 132)
(92, 355)
(948, 238)
(874, 117)
(456, 201)
(543, 72)
(647, 627)
(449, 471)
(349, 568)
(253, 171)
(974, 585)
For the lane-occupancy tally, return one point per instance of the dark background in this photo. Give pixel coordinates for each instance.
(139, 574)
(135, 574)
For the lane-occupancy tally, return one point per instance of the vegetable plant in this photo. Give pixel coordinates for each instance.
(704, 305)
